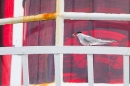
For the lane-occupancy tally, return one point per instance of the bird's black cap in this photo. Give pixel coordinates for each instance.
(79, 32)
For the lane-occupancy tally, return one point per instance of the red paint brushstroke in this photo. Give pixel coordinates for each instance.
(7, 41)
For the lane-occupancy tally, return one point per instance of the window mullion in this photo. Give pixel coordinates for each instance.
(59, 38)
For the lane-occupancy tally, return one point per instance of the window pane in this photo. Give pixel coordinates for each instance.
(41, 67)
(110, 66)
(102, 6)
(78, 5)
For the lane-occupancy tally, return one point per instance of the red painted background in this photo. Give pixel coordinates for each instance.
(6, 10)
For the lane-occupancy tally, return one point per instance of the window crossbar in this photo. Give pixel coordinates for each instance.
(59, 50)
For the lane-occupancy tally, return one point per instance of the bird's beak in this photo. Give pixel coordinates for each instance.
(74, 35)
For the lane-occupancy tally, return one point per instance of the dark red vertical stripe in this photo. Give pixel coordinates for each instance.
(1, 37)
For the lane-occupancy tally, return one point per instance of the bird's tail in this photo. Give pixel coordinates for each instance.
(108, 41)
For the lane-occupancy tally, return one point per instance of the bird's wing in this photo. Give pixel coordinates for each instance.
(90, 39)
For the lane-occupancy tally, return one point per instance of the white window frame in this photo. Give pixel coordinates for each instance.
(18, 51)
(57, 50)
(17, 38)
(60, 38)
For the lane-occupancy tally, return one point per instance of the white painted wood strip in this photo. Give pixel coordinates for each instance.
(16, 71)
(31, 18)
(11, 20)
(58, 69)
(75, 16)
(16, 64)
(94, 16)
(25, 70)
(65, 50)
(86, 84)
(81, 84)
(90, 70)
(126, 70)
(59, 42)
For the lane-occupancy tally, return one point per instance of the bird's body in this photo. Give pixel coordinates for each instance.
(87, 40)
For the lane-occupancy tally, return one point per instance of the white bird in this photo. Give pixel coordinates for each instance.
(87, 40)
